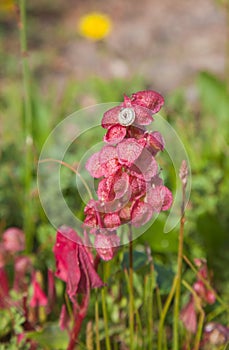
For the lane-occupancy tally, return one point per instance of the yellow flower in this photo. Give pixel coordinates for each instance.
(6, 5)
(95, 26)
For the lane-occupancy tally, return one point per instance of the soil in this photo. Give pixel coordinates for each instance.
(166, 41)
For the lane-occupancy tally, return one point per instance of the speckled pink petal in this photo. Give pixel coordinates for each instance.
(111, 167)
(107, 153)
(93, 166)
(105, 189)
(160, 198)
(145, 166)
(156, 141)
(110, 117)
(138, 187)
(109, 160)
(121, 185)
(143, 116)
(106, 245)
(115, 134)
(111, 221)
(141, 213)
(150, 99)
(128, 151)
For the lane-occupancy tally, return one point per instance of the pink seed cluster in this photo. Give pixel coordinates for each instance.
(130, 189)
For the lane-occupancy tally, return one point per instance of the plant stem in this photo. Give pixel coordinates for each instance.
(105, 319)
(47, 160)
(131, 290)
(75, 332)
(183, 177)
(150, 308)
(78, 320)
(97, 322)
(164, 312)
(199, 330)
(28, 207)
(178, 287)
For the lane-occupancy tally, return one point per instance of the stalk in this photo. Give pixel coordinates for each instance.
(104, 308)
(164, 313)
(150, 307)
(105, 319)
(183, 176)
(131, 290)
(178, 287)
(28, 138)
(97, 322)
(79, 316)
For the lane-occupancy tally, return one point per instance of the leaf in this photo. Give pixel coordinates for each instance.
(52, 336)
(6, 323)
(164, 278)
(140, 259)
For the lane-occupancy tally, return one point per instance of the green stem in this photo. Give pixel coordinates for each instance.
(150, 308)
(199, 331)
(165, 311)
(179, 274)
(28, 207)
(178, 288)
(47, 160)
(104, 307)
(97, 322)
(131, 290)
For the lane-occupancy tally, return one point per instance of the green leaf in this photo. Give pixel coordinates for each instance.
(165, 276)
(6, 323)
(139, 260)
(51, 337)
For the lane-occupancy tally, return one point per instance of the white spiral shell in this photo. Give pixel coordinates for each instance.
(126, 116)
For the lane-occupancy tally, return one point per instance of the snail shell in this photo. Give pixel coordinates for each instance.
(126, 116)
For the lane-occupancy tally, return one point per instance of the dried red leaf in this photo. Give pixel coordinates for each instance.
(74, 263)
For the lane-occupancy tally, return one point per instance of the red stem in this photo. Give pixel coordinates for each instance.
(79, 317)
(75, 331)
